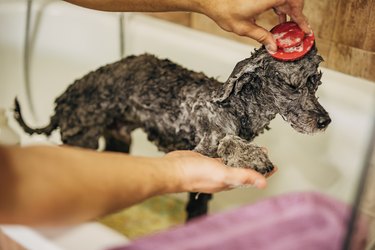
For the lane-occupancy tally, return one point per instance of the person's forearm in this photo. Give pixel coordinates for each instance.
(114, 181)
(142, 5)
(236, 16)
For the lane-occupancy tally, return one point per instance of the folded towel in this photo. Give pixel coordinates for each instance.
(296, 221)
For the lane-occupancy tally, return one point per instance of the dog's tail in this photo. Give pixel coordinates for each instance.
(46, 130)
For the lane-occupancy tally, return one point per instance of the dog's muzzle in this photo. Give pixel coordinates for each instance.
(323, 121)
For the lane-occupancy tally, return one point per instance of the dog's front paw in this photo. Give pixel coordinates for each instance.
(237, 152)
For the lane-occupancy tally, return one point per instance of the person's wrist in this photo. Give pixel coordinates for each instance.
(172, 174)
(200, 6)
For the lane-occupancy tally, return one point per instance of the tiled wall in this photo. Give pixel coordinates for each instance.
(344, 31)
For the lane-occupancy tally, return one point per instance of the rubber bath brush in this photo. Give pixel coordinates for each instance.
(292, 43)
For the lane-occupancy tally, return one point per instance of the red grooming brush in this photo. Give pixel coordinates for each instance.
(292, 43)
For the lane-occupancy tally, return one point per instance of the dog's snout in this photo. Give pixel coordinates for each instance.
(323, 122)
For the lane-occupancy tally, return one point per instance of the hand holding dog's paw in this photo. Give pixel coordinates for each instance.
(239, 153)
(199, 173)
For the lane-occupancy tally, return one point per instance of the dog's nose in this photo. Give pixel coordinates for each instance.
(323, 122)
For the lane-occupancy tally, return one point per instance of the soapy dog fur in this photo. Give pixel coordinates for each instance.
(184, 110)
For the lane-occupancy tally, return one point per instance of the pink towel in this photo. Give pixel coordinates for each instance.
(308, 221)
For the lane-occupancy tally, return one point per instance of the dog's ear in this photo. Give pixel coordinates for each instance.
(242, 73)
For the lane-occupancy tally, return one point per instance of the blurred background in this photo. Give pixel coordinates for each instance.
(47, 44)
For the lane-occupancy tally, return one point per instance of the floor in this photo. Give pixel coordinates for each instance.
(153, 215)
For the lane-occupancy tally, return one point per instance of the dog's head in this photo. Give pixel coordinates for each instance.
(287, 88)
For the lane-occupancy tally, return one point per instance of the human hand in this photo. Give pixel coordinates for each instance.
(293, 8)
(239, 16)
(199, 173)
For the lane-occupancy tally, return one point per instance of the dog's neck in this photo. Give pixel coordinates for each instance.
(252, 111)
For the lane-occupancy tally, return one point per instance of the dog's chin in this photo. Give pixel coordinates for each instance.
(306, 129)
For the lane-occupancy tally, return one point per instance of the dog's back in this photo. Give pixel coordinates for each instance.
(137, 91)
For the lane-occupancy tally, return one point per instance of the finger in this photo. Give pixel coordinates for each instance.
(274, 170)
(301, 20)
(245, 177)
(282, 18)
(262, 36)
(266, 5)
(219, 160)
(271, 173)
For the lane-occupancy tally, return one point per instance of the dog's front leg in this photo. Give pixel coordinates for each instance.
(237, 152)
(197, 205)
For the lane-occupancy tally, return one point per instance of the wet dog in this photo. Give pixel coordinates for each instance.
(184, 110)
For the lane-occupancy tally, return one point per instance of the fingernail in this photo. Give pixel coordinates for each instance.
(242, 186)
(271, 48)
(257, 183)
(310, 30)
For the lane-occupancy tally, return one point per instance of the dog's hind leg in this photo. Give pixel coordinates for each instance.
(85, 137)
(197, 205)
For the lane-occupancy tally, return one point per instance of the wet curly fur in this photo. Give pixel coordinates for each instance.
(182, 109)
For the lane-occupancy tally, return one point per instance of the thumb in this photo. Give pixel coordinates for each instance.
(263, 36)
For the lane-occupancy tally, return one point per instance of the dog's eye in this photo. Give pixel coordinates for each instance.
(293, 87)
(278, 77)
(313, 81)
(285, 81)
(315, 78)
